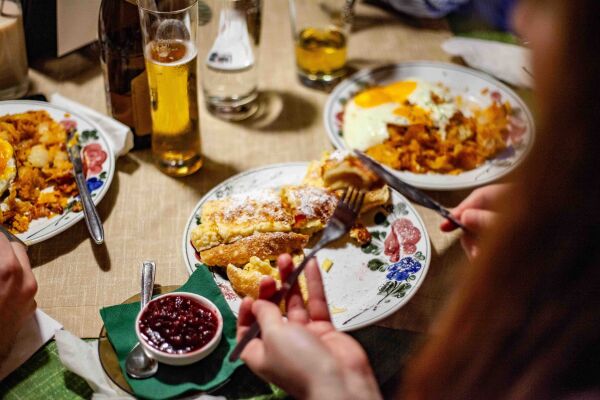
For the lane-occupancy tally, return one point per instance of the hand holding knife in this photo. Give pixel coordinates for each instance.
(407, 190)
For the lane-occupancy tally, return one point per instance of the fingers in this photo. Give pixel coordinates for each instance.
(267, 288)
(10, 268)
(478, 221)
(267, 314)
(21, 253)
(317, 302)
(245, 317)
(294, 302)
(448, 226)
(480, 199)
(30, 286)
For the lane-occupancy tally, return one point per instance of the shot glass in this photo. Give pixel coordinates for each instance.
(230, 36)
(169, 34)
(320, 30)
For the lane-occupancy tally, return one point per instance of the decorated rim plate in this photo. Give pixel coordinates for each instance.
(364, 284)
(100, 169)
(466, 82)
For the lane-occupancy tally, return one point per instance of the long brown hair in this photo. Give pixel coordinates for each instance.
(526, 322)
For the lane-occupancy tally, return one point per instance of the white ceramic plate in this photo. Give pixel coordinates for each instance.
(99, 176)
(461, 81)
(363, 285)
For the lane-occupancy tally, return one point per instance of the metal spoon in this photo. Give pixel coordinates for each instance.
(138, 364)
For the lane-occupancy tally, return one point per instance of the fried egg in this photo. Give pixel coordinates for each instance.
(404, 103)
(8, 167)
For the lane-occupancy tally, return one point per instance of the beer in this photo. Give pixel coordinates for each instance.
(171, 69)
(321, 52)
(122, 58)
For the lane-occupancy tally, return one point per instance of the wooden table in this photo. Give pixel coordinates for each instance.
(145, 211)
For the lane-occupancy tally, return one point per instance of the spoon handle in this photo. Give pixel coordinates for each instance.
(148, 274)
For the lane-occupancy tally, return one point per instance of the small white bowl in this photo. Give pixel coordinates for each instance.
(185, 358)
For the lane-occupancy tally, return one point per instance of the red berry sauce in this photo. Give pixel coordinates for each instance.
(177, 324)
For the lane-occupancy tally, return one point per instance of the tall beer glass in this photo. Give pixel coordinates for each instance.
(169, 32)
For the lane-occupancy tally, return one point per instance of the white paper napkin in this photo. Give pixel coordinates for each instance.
(504, 61)
(82, 359)
(35, 333)
(119, 135)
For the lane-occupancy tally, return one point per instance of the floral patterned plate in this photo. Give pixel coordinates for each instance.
(473, 86)
(364, 284)
(99, 166)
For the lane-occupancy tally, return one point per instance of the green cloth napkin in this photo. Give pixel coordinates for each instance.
(44, 377)
(172, 381)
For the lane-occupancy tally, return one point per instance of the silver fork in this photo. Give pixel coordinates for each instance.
(339, 224)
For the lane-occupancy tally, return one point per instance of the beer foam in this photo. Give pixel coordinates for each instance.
(190, 53)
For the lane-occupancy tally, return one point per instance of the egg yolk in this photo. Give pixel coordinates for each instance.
(396, 92)
(6, 153)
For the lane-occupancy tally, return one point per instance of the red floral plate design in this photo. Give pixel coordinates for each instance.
(364, 284)
(98, 160)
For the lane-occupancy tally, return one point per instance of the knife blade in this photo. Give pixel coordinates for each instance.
(92, 219)
(407, 190)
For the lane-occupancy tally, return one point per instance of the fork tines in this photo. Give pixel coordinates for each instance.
(352, 200)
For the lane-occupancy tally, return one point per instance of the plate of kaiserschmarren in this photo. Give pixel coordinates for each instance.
(240, 227)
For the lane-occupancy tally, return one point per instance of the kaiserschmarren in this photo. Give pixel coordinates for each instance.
(246, 232)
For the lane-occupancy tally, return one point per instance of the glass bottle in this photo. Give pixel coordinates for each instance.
(122, 58)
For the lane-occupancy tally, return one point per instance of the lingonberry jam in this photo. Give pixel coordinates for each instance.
(177, 324)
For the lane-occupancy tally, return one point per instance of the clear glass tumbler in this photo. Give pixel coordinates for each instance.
(230, 35)
(13, 56)
(320, 30)
(169, 32)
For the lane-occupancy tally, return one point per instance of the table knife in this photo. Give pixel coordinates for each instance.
(407, 190)
(92, 220)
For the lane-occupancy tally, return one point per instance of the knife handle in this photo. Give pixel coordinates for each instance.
(92, 219)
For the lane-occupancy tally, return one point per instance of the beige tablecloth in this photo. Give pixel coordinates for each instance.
(145, 211)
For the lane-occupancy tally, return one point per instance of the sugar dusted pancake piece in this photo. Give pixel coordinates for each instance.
(266, 246)
(339, 170)
(246, 280)
(311, 207)
(227, 220)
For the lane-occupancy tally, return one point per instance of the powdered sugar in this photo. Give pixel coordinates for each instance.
(311, 201)
(254, 204)
(339, 155)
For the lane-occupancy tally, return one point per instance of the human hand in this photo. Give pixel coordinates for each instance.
(305, 355)
(476, 214)
(17, 291)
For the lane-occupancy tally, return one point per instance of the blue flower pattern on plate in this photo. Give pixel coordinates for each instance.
(404, 268)
(93, 184)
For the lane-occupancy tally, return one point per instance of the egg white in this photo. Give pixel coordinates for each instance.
(439, 114)
(367, 127)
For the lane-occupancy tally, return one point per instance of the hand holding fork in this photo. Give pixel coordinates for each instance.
(342, 220)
